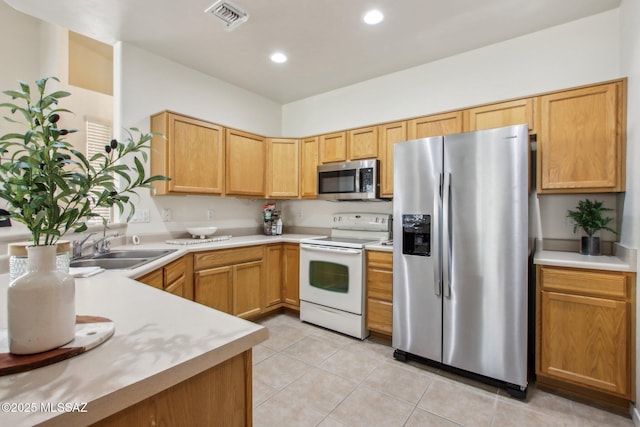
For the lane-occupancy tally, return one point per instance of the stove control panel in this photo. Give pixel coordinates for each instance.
(361, 221)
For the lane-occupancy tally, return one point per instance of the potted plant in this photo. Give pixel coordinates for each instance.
(588, 216)
(51, 188)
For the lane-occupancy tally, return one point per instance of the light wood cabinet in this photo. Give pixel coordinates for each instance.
(333, 147)
(388, 135)
(246, 155)
(516, 112)
(362, 143)
(174, 277)
(230, 280)
(291, 275)
(219, 396)
(192, 155)
(581, 145)
(309, 168)
(380, 292)
(584, 340)
(435, 125)
(283, 167)
(274, 280)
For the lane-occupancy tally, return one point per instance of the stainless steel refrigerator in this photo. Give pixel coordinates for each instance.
(460, 227)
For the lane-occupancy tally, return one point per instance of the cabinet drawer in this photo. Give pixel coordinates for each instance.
(379, 316)
(224, 257)
(174, 270)
(380, 259)
(153, 279)
(380, 284)
(585, 282)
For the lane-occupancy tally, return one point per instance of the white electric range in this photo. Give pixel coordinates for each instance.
(332, 272)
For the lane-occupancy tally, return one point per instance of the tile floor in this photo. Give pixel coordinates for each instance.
(307, 376)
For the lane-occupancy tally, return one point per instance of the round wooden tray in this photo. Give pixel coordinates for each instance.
(91, 331)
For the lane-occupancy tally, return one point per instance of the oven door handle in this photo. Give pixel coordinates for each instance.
(319, 248)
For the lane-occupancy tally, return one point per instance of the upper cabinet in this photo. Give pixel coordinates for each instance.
(333, 147)
(309, 167)
(582, 140)
(245, 163)
(192, 155)
(520, 111)
(362, 143)
(283, 168)
(435, 125)
(389, 134)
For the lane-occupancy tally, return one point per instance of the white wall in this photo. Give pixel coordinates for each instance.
(630, 60)
(146, 84)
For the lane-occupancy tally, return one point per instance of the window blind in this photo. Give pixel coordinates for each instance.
(98, 135)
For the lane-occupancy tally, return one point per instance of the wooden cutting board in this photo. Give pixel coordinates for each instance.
(91, 331)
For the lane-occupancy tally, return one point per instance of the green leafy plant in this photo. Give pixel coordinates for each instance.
(588, 216)
(50, 186)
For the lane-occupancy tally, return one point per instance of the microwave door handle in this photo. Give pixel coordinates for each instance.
(334, 250)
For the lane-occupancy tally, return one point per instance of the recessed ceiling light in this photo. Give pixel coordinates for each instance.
(278, 57)
(373, 17)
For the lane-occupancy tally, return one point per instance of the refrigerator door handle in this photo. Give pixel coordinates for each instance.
(436, 233)
(446, 236)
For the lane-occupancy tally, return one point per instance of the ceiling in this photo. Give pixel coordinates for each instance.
(326, 41)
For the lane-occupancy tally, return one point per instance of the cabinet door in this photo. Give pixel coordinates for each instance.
(584, 340)
(435, 125)
(380, 292)
(247, 289)
(309, 168)
(245, 164)
(580, 146)
(155, 279)
(291, 275)
(362, 143)
(273, 279)
(192, 155)
(283, 168)
(176, 287)
(388, 135)
(212, 288)
(518, 112)
(333, 147)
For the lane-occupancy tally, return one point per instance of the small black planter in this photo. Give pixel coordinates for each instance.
(590, 245)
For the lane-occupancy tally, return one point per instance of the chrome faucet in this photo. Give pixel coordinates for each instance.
(103, 245)
(79, 245)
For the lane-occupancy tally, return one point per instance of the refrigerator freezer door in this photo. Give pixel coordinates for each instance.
(417, 304)
(485, 316)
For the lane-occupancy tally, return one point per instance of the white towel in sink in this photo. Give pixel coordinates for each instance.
(85, 271)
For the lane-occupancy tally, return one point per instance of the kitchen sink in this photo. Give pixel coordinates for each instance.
(110, 263)
(134, 253)
(121, 259)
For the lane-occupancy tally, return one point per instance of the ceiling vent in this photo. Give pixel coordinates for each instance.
(231, 14)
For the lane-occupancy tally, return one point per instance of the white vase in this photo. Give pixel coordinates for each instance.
(41, 305)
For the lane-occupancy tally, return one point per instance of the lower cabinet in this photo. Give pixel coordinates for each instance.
(230, 280)
(380, 292)
(584, 332)
(219, 396)
(283, 271)
(174, 277)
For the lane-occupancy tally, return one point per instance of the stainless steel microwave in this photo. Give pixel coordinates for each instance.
(356, 180)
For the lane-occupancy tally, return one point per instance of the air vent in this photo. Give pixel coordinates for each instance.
(230, 14)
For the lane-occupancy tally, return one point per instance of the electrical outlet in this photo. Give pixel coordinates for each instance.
(210, 215)
(140, 215)
(166, 215)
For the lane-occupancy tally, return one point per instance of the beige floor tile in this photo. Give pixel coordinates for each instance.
(399, 381)
(260, 353)
(459, 403)
(279, 370)
(540, 401)
(334, 338)
(350, 365)
(320, 389)
(261, 392)
(281, 411)
(421, 418)
(331, 422)
(590, 416)
(282, 336)
(311, 350)
(366, 407)
(508, 415)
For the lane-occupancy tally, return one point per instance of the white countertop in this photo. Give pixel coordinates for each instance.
(160, 340)
(574, 259)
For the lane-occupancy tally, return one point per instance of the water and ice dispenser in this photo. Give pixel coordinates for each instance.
(416, 235)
